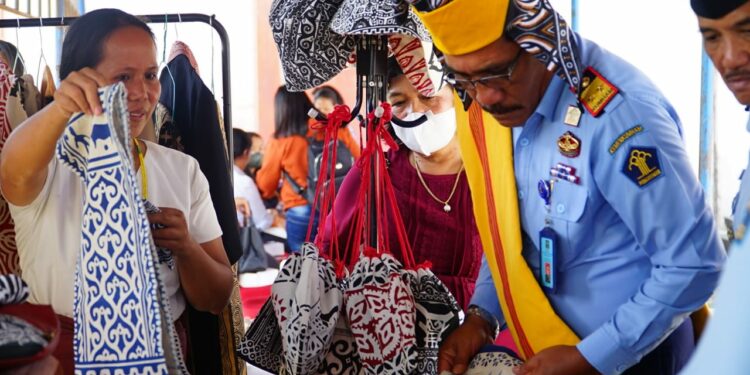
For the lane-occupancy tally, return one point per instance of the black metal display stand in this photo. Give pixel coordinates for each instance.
(162, 18)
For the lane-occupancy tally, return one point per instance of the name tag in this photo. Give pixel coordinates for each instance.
(547, 260)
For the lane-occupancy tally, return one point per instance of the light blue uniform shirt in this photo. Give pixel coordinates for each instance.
(635, 254)
(739, 206)
(724, 344)
(723, 348)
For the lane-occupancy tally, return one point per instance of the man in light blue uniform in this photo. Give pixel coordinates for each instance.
(723, 349)
(637, 247)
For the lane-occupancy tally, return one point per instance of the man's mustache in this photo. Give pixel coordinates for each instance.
(498, 109)
(737, 74)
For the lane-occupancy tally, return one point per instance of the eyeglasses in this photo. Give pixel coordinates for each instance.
(496, 81)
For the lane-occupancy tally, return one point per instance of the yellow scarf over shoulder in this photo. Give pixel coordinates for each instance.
(487, 151)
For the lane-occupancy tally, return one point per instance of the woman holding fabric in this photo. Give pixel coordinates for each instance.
(430, 186)
(104, 47)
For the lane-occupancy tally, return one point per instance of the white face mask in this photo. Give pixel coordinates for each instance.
(430, 136)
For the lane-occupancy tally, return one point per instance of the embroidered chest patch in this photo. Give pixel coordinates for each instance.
(642, 165)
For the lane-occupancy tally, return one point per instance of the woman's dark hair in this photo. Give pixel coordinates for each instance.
(83, 46)
(240, 142)
(291, 113)
(10, 51)
(329, 93)
(394, 70)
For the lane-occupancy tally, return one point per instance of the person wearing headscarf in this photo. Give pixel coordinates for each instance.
(722, 349)
(597, 237)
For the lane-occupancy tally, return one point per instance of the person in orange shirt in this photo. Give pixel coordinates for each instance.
(286, 154)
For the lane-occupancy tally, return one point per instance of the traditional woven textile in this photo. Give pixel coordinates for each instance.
(123, 324)
(12, 289)
(543, 33)
(437, 316)
(307, 302)
(311, 53)
(493, 360)
(342, 357)
(377, 17)
(380, 308)
(261, 344)
(8, 250)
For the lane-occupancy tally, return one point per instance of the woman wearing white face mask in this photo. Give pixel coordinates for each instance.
(431, 188)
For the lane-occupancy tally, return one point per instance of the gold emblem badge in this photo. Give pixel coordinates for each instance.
(642, 165)
(569, 145)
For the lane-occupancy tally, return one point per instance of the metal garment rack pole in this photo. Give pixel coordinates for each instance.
(161, 18)
(372, 66)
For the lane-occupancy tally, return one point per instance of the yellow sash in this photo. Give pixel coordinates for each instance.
(487, 151)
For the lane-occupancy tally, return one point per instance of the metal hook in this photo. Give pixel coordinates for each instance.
(41, 54)
(176, 30)
(211, 30)
(18, 46)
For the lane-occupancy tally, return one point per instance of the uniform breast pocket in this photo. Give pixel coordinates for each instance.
(566, 211)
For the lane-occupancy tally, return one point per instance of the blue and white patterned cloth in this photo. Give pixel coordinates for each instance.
(122, 317)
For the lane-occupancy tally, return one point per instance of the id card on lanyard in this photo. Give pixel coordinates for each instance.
(547, 242)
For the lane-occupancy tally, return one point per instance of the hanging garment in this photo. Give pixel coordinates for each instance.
(194, 114)
(47, 88)
(180, 48)
(30, 96)
(117, 288)
(195, 126)
(8, 250)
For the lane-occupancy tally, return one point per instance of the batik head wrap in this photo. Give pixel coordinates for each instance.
(459, 27)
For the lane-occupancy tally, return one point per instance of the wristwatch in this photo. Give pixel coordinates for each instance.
(487, 317)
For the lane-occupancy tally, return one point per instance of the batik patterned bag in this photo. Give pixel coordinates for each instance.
(438, 314)
(307, 301)
(261, 345)
(123, 324)
(311, 53)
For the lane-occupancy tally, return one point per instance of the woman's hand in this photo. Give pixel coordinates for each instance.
(172, 231)
(78, 92)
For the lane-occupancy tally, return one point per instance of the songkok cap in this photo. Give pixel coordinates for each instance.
(459, 27)
(715, 9)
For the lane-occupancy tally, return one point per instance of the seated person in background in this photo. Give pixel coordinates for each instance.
(430, 187)
(101, 48)
(325, 98)
(244, 186)
(256, 154)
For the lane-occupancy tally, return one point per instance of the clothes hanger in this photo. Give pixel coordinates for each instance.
(39, 70)
(18, 49)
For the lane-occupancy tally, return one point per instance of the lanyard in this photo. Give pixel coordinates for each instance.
(144, 177)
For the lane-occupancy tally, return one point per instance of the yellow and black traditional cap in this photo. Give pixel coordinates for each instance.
(715, 9)
(459, 27)
(464, 26)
